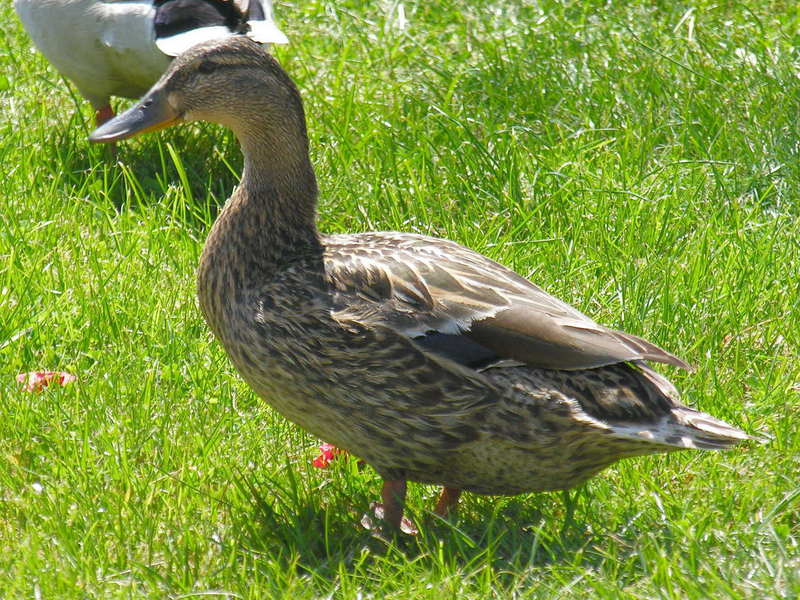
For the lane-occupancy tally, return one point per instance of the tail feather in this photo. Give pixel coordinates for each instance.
(681, 427)
(706, 431)
(650, 351)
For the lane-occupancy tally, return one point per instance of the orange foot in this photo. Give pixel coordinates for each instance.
(448, 501)
(378, 511)
(103, 114)
(390, 511)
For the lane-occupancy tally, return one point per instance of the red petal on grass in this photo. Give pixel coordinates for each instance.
(328, 454)
(36, 381)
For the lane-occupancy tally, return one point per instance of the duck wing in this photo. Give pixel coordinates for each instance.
(459, 304)
(181, 24)
(261, 21)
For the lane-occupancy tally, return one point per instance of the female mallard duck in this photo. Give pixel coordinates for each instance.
(120, 48)
(426, 359)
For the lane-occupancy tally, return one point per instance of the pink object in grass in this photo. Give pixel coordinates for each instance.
(328, 454)
(36, 381)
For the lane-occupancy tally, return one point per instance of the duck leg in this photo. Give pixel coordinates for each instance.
(448, 501)
(394, 499)
(103, 114)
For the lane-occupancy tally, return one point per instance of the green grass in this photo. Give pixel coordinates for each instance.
(639, 160)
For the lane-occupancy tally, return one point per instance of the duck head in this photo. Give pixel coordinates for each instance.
(233, 82)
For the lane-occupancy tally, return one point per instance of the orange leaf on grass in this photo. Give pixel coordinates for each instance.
(328, 452)
(35, 381)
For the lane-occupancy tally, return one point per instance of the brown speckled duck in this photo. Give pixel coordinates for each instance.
(426, 359)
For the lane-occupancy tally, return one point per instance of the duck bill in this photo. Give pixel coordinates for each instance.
(152, 113)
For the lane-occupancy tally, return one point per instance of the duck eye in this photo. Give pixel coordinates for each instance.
(207, 67)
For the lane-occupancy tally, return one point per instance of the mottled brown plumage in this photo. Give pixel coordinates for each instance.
(424, 358)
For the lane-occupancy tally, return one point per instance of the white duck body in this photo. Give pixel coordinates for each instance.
(110, 48)
(105, 48)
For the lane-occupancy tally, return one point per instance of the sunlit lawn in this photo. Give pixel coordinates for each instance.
(640, 160)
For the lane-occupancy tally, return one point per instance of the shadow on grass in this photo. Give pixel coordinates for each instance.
(287, 522)
(203, 160)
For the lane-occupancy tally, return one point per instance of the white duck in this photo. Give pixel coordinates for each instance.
(121, 47)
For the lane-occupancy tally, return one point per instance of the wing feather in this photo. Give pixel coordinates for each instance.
(424, 288)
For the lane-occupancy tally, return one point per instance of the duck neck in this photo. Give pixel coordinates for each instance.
(267, 224)
(270, 220)
(276, 201)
